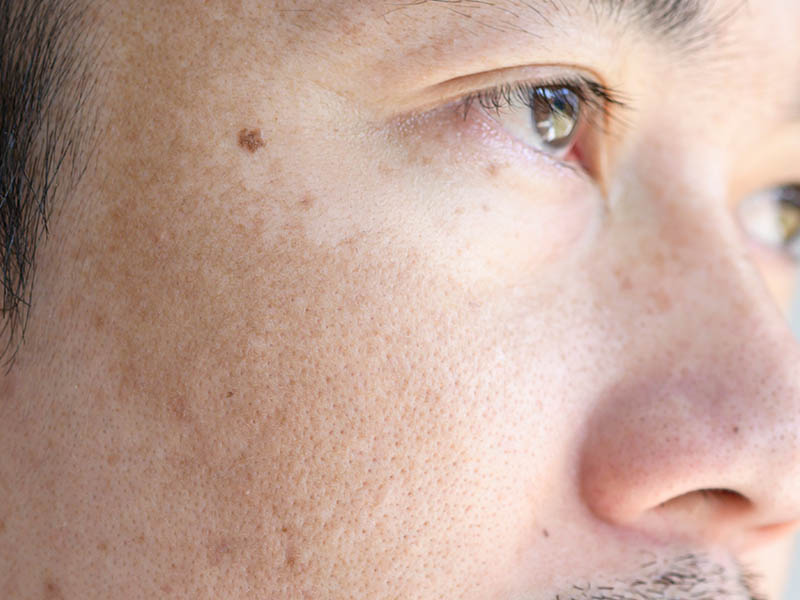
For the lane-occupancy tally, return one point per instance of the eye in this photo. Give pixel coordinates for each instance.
(772, 218)
(547, 119)
(548, 116)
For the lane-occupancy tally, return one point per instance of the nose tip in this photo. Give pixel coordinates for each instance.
(710, 442)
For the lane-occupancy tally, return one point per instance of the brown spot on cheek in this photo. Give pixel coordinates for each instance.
(218, 551)
(251, 140)
(661, 301)
(545, 533)
(307, 202)
(291, 557)
(52, 591)
(180, 409)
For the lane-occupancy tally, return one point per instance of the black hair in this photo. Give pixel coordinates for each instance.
(45, 124)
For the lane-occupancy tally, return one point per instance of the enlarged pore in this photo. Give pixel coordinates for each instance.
(44, 122)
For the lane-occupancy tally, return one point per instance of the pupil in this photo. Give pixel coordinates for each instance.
(555, 115)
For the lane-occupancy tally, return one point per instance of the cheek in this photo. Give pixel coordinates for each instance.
(345, 403)
(478, 206)
(354, 371)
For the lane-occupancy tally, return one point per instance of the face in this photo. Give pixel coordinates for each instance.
(418, 300)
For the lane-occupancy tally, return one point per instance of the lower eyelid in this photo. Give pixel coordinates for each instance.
(490, 134)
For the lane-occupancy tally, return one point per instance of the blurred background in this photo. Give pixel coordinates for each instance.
(793, 592)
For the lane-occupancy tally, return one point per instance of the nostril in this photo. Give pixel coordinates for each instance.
(718, 500)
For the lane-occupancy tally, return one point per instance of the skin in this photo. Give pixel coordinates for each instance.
(382, 351)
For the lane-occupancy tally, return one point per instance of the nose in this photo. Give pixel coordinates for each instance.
(699, 434)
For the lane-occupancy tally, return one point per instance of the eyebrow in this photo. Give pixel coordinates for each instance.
(690, 23)
(687, 24)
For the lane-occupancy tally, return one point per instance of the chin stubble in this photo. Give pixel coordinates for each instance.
(687, 577)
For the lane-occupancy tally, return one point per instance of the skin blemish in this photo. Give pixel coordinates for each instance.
(218, 551)
(251, 140)
(545, 533)
(180, 409)
(291, 557)
(736, 429)
(660, 302)
(52, 591)
(307, 202)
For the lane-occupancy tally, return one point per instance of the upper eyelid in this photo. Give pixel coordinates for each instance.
(456, 89)
(603, 101)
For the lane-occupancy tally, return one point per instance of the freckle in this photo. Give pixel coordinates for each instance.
(102, 546)
(218, 552)
(2, 527)
(492, 169)
(385, 169)
(180, 409)
(251, 140)
(460, 210)
(229, 395)
(167, 589)
(545, 533)
(112, 459)
(291, 557)
(485, 207)
(661, 301)
(307, 202)
(52, 591)
(98, 322)
(623, 280)
(736, 429)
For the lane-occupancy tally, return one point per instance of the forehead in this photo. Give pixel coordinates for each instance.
(408, 42)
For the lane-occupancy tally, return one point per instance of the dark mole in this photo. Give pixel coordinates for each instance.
(251, 140)
(229, 395)
(545, 533)
(2, 526)
(736, 429)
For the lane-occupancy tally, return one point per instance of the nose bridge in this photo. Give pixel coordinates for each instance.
(709, 395)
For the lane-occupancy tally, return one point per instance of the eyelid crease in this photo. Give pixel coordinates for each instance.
(457, 88)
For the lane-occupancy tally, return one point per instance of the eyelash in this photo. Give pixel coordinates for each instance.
(598, 97)
(599, 104)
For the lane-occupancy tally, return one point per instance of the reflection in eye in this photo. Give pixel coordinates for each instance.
(772, 218)
(547, 116)
(555, 115)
